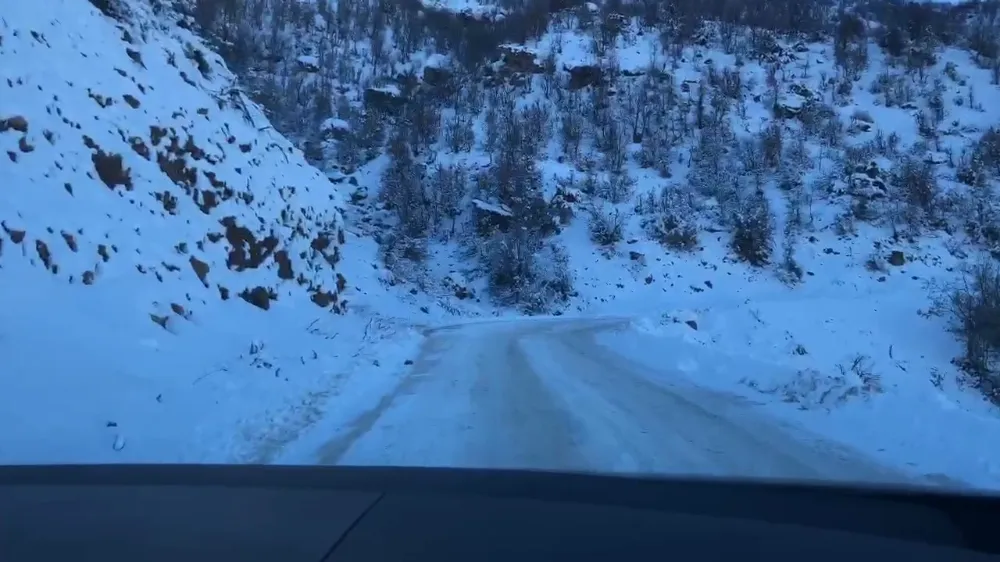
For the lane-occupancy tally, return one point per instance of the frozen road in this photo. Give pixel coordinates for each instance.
(541, 394)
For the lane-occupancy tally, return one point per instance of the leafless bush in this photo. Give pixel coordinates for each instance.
(821, 120)
(844, 225)
(617, 189)
(858, 156)
(876, 263)
(753, 231)
(861, 368)
(810, 388)
(771, 144)
(863, 209)
(672, 219)
(986, 151)
(527, 273)
(113, 9)
(551, 280)
(789, 270)
(404, 256)
(974, 306)
(885, 145)
(895, 89)
(607, 227)
(536, 126)
(459, 135)
(730, 83)
(916, 184)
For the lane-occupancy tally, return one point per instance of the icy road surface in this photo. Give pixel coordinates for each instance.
(540, 394)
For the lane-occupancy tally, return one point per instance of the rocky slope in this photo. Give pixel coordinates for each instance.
(173, 269)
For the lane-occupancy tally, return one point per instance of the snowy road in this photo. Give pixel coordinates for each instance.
(541, 394)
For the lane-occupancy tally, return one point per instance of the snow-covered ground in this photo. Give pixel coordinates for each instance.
(141, 196)
(869, 372)
(854, 354)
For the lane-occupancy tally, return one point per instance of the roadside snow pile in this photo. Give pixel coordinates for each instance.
(173, 284)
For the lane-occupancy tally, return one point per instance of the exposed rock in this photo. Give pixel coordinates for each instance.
(563, 202)
(519, 60)
(584, 75)
(201, 269)
(615, 23)
(936, 158)
(438, 78)
(490, 217)
(859, 127)
(260, 297)
(792, 102)
(458, 286)
(897, 258)
(308, 64)
(323, 299)
(246, 252)
(867, 182)
(386, 99)
(359, 194)
(802, 91)
(17, 123)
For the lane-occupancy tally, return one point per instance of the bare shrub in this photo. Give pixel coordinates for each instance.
(916, 184)
(607, 226)
(812, 389)
(617, 189)
(861, 369)
(670, 218)
(974, 305)
(876, 263)
(459, 135)
(844, 225)
(753, 231)
(113, 9)
(528, 273)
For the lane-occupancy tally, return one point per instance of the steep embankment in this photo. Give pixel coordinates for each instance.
(171, 267)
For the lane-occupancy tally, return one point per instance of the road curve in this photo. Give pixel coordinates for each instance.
(540, 394)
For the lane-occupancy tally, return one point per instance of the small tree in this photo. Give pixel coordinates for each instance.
(607, 226)
(403, 191)
(674, 223)
(753, 230)
(975, 310)
(915, 191)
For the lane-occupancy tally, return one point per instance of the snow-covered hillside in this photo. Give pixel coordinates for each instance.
(178, 282)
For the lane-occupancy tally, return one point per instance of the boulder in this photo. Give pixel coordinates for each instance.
(385, 99)
(518, 60)
(584, 75)
(438, 78)
(307, 63)
(867, 182)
